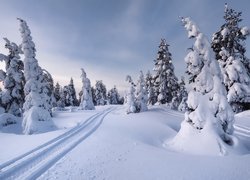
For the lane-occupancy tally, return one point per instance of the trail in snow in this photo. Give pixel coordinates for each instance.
(35, 162)
(242, 130)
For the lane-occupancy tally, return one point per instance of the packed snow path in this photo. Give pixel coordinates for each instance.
(35, 162)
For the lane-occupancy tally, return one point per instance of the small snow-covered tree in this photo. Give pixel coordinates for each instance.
(208, 109)
(36, 106)
(165, 81)
(182, 94)
(61, 101)
(130, 100)
(141, 94)
(152, 98)
(93, 95)
(180, 97)
(113, 96)
(100, 93)
(57, 89)
(70, 91)
(86, 99)
(228, 45)
(12, 97)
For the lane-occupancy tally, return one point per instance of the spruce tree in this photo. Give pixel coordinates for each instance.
(130, 100)
(152, 98)
(86, 98)
(113, 96)
(36, 106)
(141, 94)
(100, 93)
(12, 98)
(72, 100)
(57, 91)
(228, 45)
(182, 95)
(208, 109)
(165, 81)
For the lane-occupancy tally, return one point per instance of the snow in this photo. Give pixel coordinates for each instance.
(129, 147)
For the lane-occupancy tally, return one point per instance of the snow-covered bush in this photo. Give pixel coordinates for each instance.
(86, 98)
(209, 119)
(36, 106)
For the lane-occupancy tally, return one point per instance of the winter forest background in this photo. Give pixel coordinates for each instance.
(214, 88)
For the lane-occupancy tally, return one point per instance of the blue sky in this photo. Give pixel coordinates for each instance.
(110, 38)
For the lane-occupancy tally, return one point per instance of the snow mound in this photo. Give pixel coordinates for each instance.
(204, 142)
(10, 124)
(37, 120)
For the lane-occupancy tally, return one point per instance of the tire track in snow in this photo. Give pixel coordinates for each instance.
(34, 163)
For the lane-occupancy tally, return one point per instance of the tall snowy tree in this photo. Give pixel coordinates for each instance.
(141, 94)
(152, 98)
(86, 99)
(165, 81)
(130, 100)
(113, 96)
(12, 98)
(100, 93)
(208, 110)
(36, 106)
(228, 45)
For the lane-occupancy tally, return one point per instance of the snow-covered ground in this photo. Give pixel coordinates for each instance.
(108, 144)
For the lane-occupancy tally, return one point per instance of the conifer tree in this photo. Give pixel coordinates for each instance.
(165, 81)
(141, 94)
(57, 89)
(86, 98)
(130, 100)
(208, 109)
(71, 94)
(36, 106)
(182, 95)
(12, 98)
(228, 45)
(100, 93)
(113, 96)
(152, 98)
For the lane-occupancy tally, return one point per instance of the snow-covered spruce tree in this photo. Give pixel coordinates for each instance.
(141, 94)
(100, 93)
(48, 84)
(12, 97)
(93, 95)
(61, 102)
(152, 98)
(57, 89)
(165, 81)
(179, 97)
(182, 94)
(209, 119)
(86, 98)
(228, 45)
(36, 106)
(113, 96)
(130, 100)
(71, 94)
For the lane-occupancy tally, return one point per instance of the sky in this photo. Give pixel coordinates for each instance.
(110, 38)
